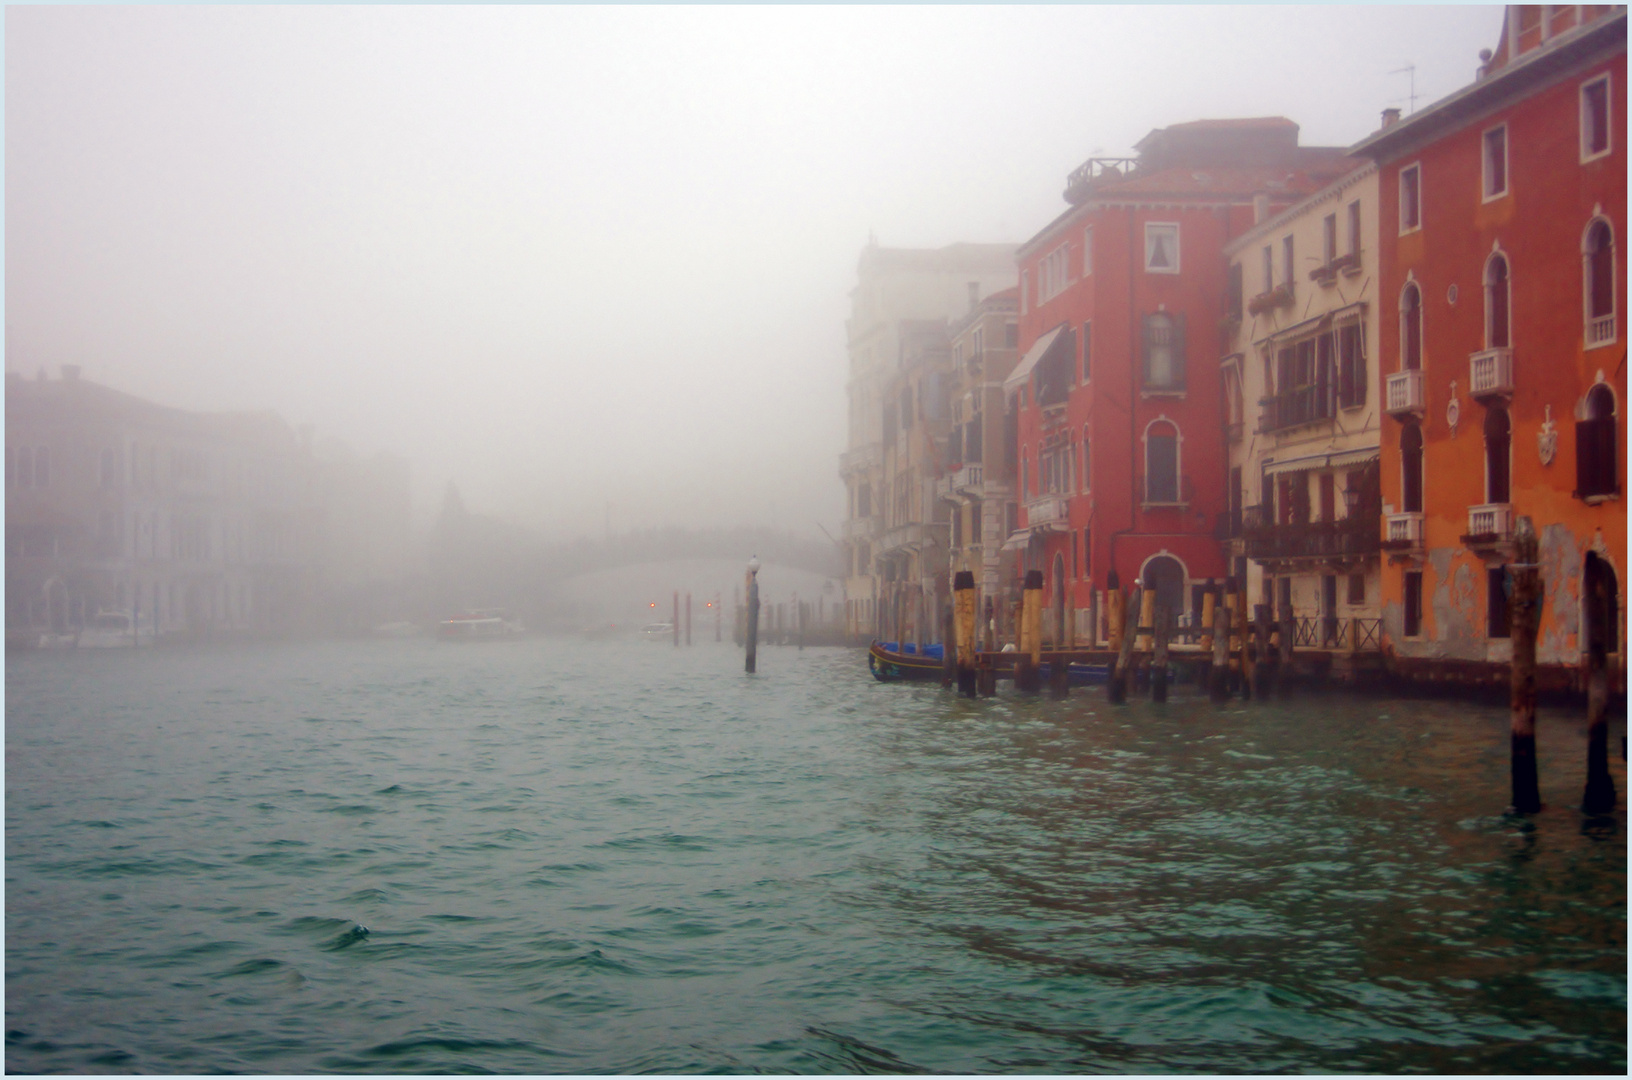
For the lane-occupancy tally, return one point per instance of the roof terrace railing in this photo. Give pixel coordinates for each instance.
(1094, 170)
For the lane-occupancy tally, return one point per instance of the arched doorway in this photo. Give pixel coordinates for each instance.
(1166, 576)
(1600, 600)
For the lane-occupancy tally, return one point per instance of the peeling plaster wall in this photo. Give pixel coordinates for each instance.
(1559, 553)
(1458, 626)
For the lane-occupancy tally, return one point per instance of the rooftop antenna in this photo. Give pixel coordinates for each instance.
(1410, 70)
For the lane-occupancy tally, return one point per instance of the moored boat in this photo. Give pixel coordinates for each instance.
(482, 624)
(890, 661)
(114, 630)
(658, 631)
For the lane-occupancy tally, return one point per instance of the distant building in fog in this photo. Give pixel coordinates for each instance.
(193, 523)
(891, 532)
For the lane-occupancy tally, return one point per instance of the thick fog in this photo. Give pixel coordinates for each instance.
(590, 263)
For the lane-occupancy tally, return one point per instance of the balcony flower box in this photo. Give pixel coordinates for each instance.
(1280, 296)
(1345, 264)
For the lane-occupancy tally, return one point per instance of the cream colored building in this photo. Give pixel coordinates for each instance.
(978, 475)
(890, 518)
(1302, 403)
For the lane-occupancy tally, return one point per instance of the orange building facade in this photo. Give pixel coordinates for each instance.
(1503, 349)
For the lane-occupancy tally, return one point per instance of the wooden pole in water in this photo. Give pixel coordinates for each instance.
(987, 678)
(963, 630)
(1030, 656)
(1262, 667)
(1599, 797)
(688, 620)
(1525, 611)
(1116, 688)
(751, 636)
(1289, 637)
(1209, 600)
(1250, 656)
(1158, 663)
(1114, 611)
(949, 653)
(675, 622)
(1220, 681)
(1147, 620)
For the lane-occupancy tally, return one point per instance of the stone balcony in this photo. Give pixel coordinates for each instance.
(1403, 393)
(1490, 373)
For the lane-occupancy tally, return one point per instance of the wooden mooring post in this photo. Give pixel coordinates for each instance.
(1027, 676)
(963, 630)
(1263, 667)
(688, 620)
(1220, 682)
(1158, 662)
(949, 655)
(1289, 637)
(1599, 796)
(1116, 687)
(751, 635)
(1525, 612)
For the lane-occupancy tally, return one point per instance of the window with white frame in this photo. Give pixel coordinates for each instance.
(1162, 461)
(1161, 247)
(1163, 352)
(1494, 156)
(1287, 260)
(1266, 262)
(1498, 321)
(1410, 198)
(1328, 239)
(1596, 138)
(1411, 327)
(1598, 283)
(1051, 278)
(1354, 228)
(1087, 251)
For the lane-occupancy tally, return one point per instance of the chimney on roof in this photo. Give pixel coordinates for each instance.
(70, 373)
(1391, 116)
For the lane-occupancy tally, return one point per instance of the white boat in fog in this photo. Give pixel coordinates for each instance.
(482, 624)
(658, 631)
(114, 630)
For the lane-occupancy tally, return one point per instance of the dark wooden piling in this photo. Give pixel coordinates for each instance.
(1599, 796)
(688, 620)
(1209, 601)
(675, 621)
(1525, 613)
(1116, 687)
(1027, 676)
(1263, 667)
(751, 636)
(1289, 637)
(949, 655)
(1158, 663)
(1220, 681)
(963, 630)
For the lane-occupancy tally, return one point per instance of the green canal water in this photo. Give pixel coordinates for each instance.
(555, 856)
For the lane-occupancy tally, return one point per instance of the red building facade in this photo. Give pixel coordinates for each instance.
(1503, 348)
(1117, 399)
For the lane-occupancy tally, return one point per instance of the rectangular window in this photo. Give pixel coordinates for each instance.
(1413, 603)
(1328, 239)
(1410, 198)
(1595, 136)
(1495, 162)
(1161, 467)
(1087, 476)
(1287, 267)
(1357, 588)
(1087, 251)
(1351, 366)
(1087, 349)
(1051, 278)
(1164, 352)
(1233, 302)
(1011, 335)
(1161, 247)
(1498, 625)
(1354, 228)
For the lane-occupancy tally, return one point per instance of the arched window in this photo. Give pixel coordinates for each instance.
(1161, 462)
(1164, 575)
(1411, 468)
(1411, 328)
(1498, 455)
(1598, 268)
(1596, 459)
(1496, 303)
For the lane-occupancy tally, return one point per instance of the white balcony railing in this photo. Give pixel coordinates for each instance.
(967, 480)
(862, 457)
(1600, 331)
(1490, 372)
(1047, 512)
(1492, 519)
(1405, 529)
(907, 537)
(1404, 392)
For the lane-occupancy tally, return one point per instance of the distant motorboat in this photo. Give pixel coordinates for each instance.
(658, 631)
(482, 624)
(114, 630)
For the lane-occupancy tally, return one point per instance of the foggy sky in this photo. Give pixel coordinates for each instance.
(576, 256)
